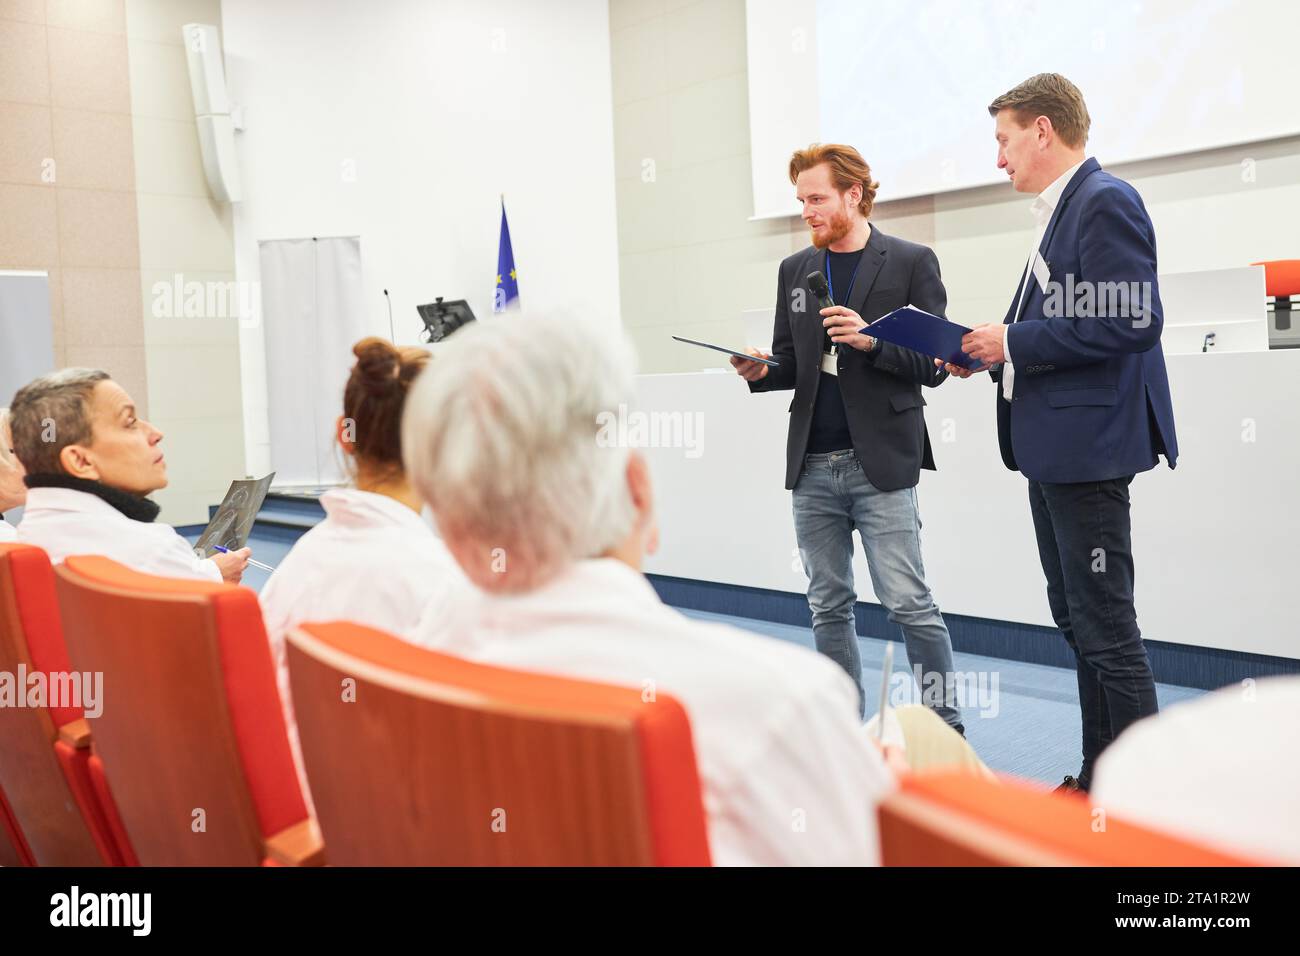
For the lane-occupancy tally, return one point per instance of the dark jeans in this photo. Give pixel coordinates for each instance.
(1087, 555)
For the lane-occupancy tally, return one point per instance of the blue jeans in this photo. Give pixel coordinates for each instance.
(831, 498)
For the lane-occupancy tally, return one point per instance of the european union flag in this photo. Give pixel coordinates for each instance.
(507, 287)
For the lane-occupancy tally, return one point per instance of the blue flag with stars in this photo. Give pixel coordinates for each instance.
(507, 287)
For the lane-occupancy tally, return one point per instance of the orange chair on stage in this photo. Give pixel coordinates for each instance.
(1281, 284)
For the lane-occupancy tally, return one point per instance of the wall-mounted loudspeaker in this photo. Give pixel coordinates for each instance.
(212, 111)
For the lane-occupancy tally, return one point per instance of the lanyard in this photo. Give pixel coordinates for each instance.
(830, 287)
(830, 284)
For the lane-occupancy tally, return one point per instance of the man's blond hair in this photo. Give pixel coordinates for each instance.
(1053, 96)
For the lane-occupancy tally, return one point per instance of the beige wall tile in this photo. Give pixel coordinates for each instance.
(102, 307)
(100, 16)
(199, 383)
(714, 201)
(160, 80)
(627, 13)
(639, 61)
(124, 363)
(30, 11)
(203, 457)
(185, 234)
(167, 158)
(94, 150)
(705, 41)
(658, 351)
(647, 287)
(645, 212)
(907, 219)
(25, 143)
(642, 132)
(56, 313)
(24, 66)
(97, 229)
(983, 266)
(710, 121)
(88, 71)
(29, 238)
(716, 281)
(165, 318)
(161, 20)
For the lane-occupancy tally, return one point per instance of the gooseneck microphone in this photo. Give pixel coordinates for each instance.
(389, 300)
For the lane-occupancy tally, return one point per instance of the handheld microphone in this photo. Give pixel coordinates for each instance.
(820, 288)
(389, 300)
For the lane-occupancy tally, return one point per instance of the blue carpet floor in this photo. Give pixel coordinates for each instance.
(1032, 732)
(1031, 728)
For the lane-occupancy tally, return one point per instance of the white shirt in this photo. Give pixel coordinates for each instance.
(372, 560)
(65, 522)
(1221, 770)
(1042, 207)
(7, 531)
(788, 773)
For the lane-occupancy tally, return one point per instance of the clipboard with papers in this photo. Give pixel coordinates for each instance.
(719, 348)
(924, 332)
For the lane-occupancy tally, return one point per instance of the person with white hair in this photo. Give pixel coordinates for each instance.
(551, 522)
(91, 462)
(1219, 770)
(13, 493)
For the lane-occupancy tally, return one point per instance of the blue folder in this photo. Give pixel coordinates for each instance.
(925, 333)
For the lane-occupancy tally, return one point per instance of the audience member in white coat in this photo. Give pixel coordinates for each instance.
(373, 559)
(91, 461)
(13, 493)
(1221, 770)
(550, 518)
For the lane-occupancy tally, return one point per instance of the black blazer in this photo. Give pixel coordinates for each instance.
(881, 390)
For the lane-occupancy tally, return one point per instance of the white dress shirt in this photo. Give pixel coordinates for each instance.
(372, 560)
(1042, 207)
(65, 522)
(7, 531)
(1220, 770)
(788, 773)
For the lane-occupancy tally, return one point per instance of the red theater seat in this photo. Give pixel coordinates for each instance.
(57, 815)
(417, 758)
(956, 819)
(192, 734)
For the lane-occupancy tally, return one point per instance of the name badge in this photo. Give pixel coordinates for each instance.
(1041, 272)
(829, 365)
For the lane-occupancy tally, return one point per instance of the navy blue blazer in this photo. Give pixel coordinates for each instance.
(1090, 400)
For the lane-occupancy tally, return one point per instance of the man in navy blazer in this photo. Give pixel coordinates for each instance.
(1082, 395)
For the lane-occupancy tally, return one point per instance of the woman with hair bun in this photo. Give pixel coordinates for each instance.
(373, 559)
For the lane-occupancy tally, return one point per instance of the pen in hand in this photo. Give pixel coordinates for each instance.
(256, 564)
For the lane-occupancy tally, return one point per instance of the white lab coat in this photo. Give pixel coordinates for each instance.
(788, 773)
(372, 560)
(1221, 770)
(65, 522)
